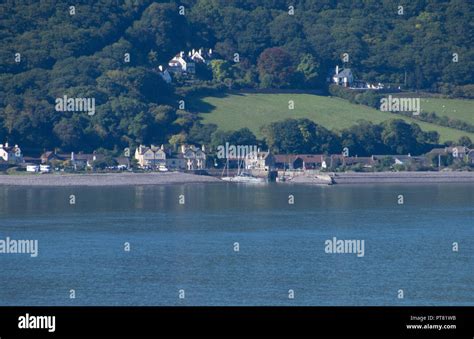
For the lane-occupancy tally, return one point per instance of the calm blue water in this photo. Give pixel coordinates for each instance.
(191, 246)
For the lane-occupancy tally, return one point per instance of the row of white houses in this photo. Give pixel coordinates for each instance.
(191, 158)
(188, 158)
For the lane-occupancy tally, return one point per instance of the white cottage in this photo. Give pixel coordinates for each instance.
(263, 161)
(11, 155)
(343, 77)
(150, 157)
(195, 157)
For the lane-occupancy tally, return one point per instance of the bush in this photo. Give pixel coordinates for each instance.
(201, 89)
(362, 97)
(342, 92)
(466, 91)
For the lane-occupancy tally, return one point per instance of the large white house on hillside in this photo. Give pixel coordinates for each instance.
(186, 63)
(182, 63)
(201, 56)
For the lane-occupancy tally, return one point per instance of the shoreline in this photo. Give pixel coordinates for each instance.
(353, 178)
(137, 179)
(105, 179)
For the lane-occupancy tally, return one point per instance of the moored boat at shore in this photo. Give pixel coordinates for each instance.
(245, 178)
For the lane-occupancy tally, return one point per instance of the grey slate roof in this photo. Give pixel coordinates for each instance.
(345, 73)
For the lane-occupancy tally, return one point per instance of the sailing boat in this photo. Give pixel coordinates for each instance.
(248, 179)
(226, 167)
(241, 176)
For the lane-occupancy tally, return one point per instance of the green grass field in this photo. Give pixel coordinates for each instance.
(235, 111)
(452, 108)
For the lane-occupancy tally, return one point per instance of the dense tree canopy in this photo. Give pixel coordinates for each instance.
(110, 51)
(295, 136)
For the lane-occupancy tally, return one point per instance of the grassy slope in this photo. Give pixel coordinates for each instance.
(452, 108)
(254, 110)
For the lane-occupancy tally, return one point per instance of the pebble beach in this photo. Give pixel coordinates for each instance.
(106, 179)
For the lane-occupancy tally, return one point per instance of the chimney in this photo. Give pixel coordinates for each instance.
(210, 51)
(6, 144)
(183, 148)
(189, 53)
(72, 156)
(200, 51)
(337, 69)
(181, 54)
(203, 148)
(160, 68)
(193, 51)
(162, 147)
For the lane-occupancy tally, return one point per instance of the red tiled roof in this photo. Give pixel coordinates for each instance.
(284, 158)
(307, 158)
(311, 158)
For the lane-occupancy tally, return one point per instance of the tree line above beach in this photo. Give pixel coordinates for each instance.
(303, 136)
